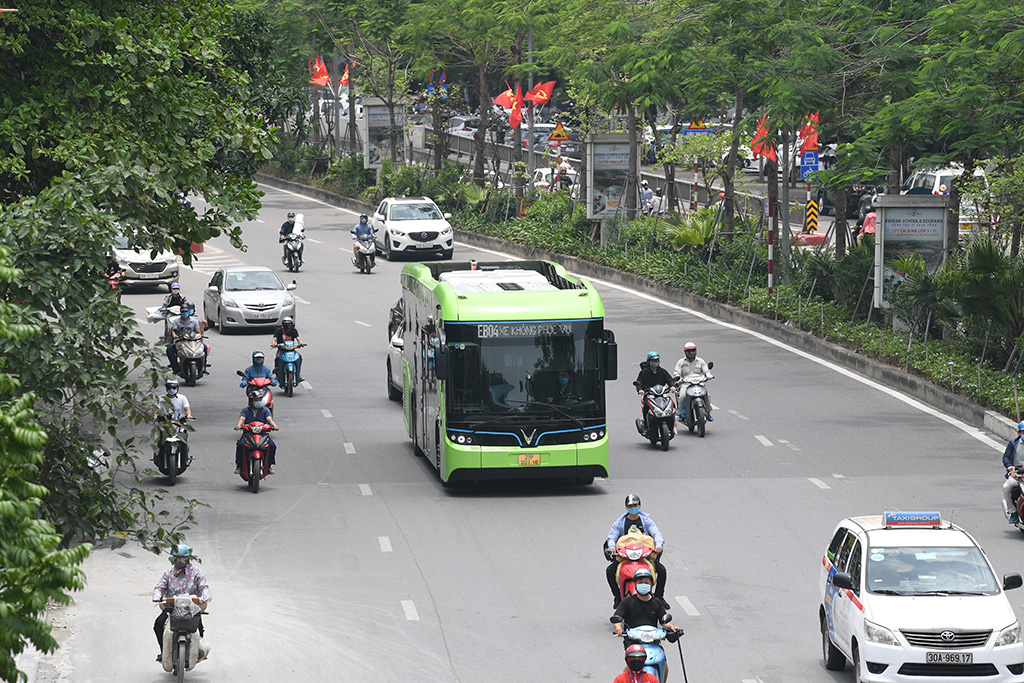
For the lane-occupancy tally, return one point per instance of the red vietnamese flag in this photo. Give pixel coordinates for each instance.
(320, 75)
(541, 94)
(809, 133)
(761, 145)
(504, 99)
(344, 76)
(516, 117)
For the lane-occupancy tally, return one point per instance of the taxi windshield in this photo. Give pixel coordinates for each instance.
(929, 571)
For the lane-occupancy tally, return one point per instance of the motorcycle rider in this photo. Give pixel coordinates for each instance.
(642, 608)
(690, 364)
(1013, 456)
(184, 324)
(181, 579)
(289, 227)
(642, 522)
(636, 657)
(255, 411)
(361, 228)
(112, 268)
(175, 298)
(645, 197)
(258, 369)
(651, 374)
(287, 332)
(173, 403)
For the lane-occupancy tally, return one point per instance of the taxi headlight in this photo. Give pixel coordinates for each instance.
(879, 634)
(1009, 635)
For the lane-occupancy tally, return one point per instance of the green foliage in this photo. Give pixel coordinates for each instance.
(691, 232)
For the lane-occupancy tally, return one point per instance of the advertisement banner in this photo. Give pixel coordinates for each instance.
(376, 134)
(608, 171)
(907, 224)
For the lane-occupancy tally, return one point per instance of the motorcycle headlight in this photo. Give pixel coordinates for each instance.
(1009, 635)
(879, 634)
(634, 553)
(648, 637)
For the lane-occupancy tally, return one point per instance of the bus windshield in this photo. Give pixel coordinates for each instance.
(542, 368)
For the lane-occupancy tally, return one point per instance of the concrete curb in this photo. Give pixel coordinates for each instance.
(894, 378)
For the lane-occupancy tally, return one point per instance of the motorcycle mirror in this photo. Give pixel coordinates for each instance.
(615, 619)
(711, 364)
(667, 618)
(239, 373)
(1011, 581)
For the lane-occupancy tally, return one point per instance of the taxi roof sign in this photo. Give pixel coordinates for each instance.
(912, 519)
(559, 134)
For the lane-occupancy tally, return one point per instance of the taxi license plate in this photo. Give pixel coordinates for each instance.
(528, 459)
(949, 658)
(148, 276)
(262, 316)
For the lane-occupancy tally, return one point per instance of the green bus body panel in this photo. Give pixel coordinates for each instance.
(459, 457)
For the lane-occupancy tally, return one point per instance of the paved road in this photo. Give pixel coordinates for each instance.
(353, 563)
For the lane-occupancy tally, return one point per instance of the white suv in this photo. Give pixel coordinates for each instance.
(412, 225)
(907, 596)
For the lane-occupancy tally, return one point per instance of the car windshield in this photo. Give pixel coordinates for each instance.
(251, 280)
(415, 212)
(121, 242)
(929, 571)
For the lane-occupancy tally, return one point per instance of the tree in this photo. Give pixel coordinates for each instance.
(111, 110)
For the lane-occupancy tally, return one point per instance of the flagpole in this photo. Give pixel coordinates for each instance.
(530, 163)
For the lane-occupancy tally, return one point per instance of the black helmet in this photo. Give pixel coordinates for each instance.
(363, 217)
(109, 255)
(632, 500)
(291, 215)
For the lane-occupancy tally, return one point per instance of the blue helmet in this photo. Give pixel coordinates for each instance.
(1020, 426)
(643, 572)
(181, 551)
(653, 354)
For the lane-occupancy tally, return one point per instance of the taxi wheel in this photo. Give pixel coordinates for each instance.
(834, 659)
(856, 665)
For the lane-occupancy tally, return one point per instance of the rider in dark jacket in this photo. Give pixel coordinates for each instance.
(651, 374)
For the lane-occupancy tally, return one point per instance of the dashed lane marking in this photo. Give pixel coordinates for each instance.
(838, 476)
(300, 299)
(737, 414)
(310, 239)
(306, 384)
(360, 322)
(385, 544)
(819, 483)
(350, 448)
(410, 610)
(365, 490)
(687, 606)
(764, 441)
(326, 413)
(791, 446)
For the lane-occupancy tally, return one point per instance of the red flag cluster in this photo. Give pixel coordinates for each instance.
(539, 96)
(344, 76)
(318, 72)
(762, 144)
(809, 132)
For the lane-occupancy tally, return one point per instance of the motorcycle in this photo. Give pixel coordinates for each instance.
(292, 258)
(255, 453)
(632, 551)
(191, 357)
(650, 637)
(261, 387)
(172, 457)
(660, 424)
(167, 315)
(287, 365)
(181, 650)
(695, 408)
(1018, 499)
(367, 257)
(114, 281)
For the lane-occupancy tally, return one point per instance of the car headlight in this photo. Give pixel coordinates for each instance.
(1009, 635)
(122, 262)
(447, 230)
(230, 303)
(879, 634)
(397, 233)
(288, 301)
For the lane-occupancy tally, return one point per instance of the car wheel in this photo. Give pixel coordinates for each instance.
(821, 204)
(833, 657)
(388, 256)
(221, 327)
(394, 394)
(206, 314)
(856, 665)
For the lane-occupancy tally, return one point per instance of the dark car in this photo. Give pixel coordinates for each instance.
(858, 197)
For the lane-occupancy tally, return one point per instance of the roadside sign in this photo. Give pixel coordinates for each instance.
(559, 134)
(809, 159)
(811, 218)
(806, 171)
(697, 127)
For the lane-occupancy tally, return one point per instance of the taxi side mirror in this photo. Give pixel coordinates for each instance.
(1011, 581)
(842, 580)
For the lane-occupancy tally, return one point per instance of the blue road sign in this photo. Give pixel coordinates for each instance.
(809, 159)
(805, 171)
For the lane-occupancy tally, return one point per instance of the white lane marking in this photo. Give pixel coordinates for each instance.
(360, 322)
(306, 384)
(310, 239)
(687, 606)
(300, 299)
(737, 414)
(838, 476)
(763, 440)
(819, 483)
(385, 544)
(296, 194)
(326, 413)
(791, 446)
(350, 448)
(912, 402)
(365, 490)
(410, 610)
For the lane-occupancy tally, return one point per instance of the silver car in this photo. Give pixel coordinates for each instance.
(247, 296)
(141, 268)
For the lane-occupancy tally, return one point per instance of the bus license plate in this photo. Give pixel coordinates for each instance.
(949, 658)
(529, 459)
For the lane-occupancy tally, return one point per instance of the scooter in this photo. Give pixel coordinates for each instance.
(292, 252)
(255, 453)
(695, 408)
(261, 387)
(191, 357)
(650, 637)
(287, 365)
(181, 650)
(632, 552)
(114, 281)
(169, 314)
(1018, 499)
(660, 424)
(367, 254)
(172, 457)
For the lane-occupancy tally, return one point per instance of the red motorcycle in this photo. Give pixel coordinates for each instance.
(261, 387)
(114, 281)
(255, 453)
(632, 552)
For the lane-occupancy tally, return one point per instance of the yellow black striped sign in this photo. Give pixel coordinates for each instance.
(811, 220)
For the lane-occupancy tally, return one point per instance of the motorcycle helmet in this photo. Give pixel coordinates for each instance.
(643, 572)
(1020, 426)
(175, 286)
(109, 255)
(291, 216)
(181, 552)
(632, 500)
(363, 218)
(287, 322)
(171, 386)
(653, 359)
(690, 350)
(185, 312)
(636, 657)
(257, 358)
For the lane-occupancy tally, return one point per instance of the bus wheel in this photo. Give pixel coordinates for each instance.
(584, 481)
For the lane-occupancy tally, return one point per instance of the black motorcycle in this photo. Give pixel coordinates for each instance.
(172, 456)
(660, 422)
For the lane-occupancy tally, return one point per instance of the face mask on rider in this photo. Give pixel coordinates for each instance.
(633, 511)
(643, 588)
(179, 565)
(563, 380)
(636, 664)
(256, 405)
(172, 392)
(655, 364)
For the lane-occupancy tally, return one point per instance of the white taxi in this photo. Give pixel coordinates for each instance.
(907, 596)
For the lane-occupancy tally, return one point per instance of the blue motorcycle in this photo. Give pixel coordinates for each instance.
(288, 365)
(650, 637)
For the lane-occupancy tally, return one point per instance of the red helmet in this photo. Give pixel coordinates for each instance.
(690, 350)
(636, 657)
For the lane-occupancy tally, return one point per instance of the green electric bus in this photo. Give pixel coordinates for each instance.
(503, 370)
